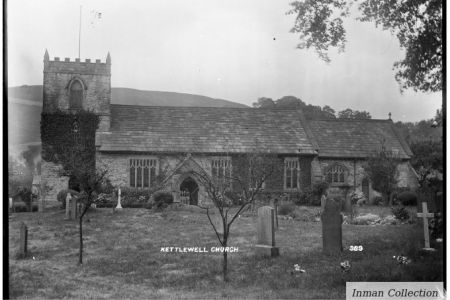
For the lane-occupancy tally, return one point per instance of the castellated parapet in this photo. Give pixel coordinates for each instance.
(93, 79)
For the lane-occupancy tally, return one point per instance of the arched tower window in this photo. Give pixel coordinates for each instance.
(76, 95)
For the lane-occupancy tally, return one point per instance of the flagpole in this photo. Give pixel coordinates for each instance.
(79, 37)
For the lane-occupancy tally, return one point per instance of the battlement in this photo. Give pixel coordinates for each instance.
(76, 66)
(77, 60)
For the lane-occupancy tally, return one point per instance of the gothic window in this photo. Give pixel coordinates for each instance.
(336, 174)
(143, 172)
(291, 173)
(221, 170)
(76, 95)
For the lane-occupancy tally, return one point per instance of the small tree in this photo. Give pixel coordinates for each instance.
(91, 182)
(383, 173)
(230, 193)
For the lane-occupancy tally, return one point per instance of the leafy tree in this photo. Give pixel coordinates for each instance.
(32, 158)
(383, 173)
(416, 23)
(331, 112)
(310, 111)
(264, 102)
(354, 114)
(232, 194)
(428, 161)
(19, 176)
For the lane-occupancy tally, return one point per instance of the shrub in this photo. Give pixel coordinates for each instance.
(162, 199)
(286, 209)
(436, 226)
(133, 197)
(400, 213)
(358, 197)
(319, 188)
(407, 198)
(62, 195)
(377, 200)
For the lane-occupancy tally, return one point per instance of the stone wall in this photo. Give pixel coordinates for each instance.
(118, 171)
(51, 183)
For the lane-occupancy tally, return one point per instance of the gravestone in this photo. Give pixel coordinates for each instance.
(11, 205)
(425, 215)
(119, 205)
(23, 240)
(73, 208)
(266, 232)
(332, 227)
(68, 197)
(323, 201)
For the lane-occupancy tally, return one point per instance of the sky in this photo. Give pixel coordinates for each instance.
(234, 50)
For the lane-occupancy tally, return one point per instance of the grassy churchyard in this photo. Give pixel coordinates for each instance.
(123, 258)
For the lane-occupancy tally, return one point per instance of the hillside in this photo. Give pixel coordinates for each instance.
(134, 97)
(25, 106)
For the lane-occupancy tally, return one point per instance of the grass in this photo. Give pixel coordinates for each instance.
(122, 258)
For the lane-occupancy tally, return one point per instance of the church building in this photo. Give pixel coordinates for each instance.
(136, 143)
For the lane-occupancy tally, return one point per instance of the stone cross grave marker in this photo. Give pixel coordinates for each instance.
(119, 205)
(266, 232)
(332, 227)
(73, 208)
(68, 197)
(425, 215)
(23, 240)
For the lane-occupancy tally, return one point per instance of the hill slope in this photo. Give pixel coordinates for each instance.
(134, 97)
(25, 106)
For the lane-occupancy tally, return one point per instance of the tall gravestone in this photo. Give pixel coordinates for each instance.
(23, 240)
(68, 197)
(266, 232)
(73, 209)
(332, 227)
(11, 205)
(119, 205)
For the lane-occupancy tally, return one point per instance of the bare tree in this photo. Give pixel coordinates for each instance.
(232, 191)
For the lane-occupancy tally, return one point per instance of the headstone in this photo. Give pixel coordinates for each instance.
(11, 204)
(119, 205)
(68, 197)
(266, 232)
(323, 201)
(73, 208)
(332, 227)
(23, 240)
(425, 215)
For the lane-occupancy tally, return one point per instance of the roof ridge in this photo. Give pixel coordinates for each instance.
(349, 120)
(209, 107)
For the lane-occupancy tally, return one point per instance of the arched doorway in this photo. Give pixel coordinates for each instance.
(190, 186)
(365, 188)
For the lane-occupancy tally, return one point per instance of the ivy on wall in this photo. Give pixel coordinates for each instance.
(68, 138)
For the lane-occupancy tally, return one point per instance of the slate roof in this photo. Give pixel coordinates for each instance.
(356, 138)
(204, 130)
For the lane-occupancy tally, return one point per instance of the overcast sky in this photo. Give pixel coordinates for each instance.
(230, 49)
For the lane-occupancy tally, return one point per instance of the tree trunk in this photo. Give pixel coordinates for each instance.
(81, 241)
(225, 255)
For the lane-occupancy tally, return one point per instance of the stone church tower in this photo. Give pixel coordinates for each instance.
(72, 86)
